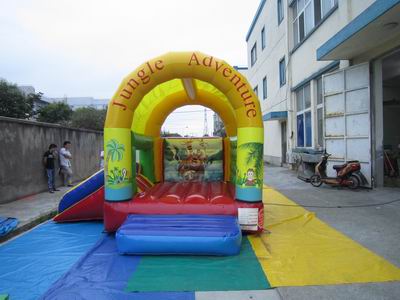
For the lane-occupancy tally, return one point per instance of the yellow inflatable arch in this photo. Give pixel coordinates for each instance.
(150, 93)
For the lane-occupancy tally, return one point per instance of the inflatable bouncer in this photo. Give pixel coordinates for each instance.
(199, 180)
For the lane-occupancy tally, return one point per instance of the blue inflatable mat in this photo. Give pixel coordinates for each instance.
(7, 225)
(179, 234)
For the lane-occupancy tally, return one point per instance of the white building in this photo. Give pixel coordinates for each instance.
(37, 104)
(327, 73)
(78, 102)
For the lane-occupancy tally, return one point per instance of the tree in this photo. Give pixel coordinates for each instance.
(89, 118)
(220, 132)
(35, 97)
(166, 133)
(13, 103)
(57, 112)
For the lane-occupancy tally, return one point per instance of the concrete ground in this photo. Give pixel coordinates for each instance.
(31, 210)
(376, 227)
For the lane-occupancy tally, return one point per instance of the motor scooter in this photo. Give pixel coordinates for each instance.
(348, 174)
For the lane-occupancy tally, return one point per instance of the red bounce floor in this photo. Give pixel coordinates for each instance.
(217, 198)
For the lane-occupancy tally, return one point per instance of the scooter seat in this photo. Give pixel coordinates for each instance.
(338, 167)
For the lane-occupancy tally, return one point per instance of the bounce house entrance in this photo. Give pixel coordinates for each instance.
(193, 159)
(150, 180)
(194, 181)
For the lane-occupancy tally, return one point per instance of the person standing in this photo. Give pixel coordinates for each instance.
(101, 159)
(49, 163)
(65, 163)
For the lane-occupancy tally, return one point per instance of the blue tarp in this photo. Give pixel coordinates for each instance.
(7, 225)
(30, 263)
(103, 274)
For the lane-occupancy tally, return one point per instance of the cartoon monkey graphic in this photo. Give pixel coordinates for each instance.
(250, 178)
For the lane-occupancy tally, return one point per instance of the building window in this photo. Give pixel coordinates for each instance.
(263, 38)
(253, 54)
(280, 11)
(282, 72)
(265, 88)
(256, 90)
(320, 114)
(303, 108)
(307, 14)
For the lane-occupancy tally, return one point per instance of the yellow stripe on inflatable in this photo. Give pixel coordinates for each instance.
(302, 250)
(174, 65)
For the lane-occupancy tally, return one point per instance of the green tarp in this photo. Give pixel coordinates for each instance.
(199, 273)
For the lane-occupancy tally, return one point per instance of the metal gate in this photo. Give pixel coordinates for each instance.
(347, 122)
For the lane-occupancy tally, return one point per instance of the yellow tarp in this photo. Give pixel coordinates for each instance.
(302, 250)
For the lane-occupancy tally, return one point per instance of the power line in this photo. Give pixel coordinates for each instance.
(205, 123)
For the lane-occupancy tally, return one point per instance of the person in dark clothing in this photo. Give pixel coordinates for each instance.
(49, 163)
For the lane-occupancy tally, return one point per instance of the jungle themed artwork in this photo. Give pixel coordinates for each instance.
(115, 154)
(117, 166)
(197, 159)
(250, 170)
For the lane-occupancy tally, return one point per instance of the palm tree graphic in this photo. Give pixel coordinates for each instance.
(115, 152)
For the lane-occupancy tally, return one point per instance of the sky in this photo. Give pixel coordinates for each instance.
(79, 48)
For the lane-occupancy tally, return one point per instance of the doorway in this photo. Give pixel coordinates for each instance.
(391, 118)
(284, 142)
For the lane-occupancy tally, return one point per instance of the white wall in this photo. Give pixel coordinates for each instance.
(303, 60)
(301, 64)
(272, 140)
(267, 64)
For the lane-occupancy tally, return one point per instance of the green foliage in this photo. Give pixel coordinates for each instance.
(89, 118)
(13, 103)
(57, 112)
(254, 156)
(115, 150)
(117, 176)
(220, 132)
(169, 134)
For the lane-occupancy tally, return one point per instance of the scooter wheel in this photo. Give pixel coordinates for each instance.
(315, 180)
(354, 182)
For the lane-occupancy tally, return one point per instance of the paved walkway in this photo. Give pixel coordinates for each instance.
(31, 210)
(375, 227)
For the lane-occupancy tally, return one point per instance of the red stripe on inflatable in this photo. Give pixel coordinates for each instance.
(212, 198)
(89, 208)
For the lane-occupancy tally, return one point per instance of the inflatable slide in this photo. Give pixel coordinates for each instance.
(84, 202)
